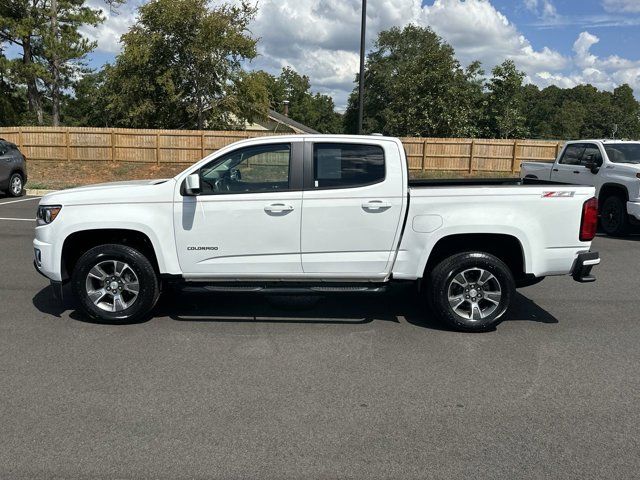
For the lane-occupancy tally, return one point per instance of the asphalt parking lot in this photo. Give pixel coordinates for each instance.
(221, 386)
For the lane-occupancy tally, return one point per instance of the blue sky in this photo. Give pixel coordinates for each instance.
(555, 42)
(573, 17)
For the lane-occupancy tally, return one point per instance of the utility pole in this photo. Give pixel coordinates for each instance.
(363, 28)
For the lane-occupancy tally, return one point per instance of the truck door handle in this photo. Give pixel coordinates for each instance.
(278, 208)
(555, 169)
(376, 205)
(576, 171)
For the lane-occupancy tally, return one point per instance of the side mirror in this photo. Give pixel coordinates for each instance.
(592, 166)
(192, 185)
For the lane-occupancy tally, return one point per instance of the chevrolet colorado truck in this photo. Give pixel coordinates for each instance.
(612, 166)
(314, 214)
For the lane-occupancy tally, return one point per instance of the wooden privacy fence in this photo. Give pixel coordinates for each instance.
(80, 144)
(476, 155)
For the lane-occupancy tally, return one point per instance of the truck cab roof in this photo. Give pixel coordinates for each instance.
(602, 140)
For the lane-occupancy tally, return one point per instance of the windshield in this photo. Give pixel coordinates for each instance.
(623, 152)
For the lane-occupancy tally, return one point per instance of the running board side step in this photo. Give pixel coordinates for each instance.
(287, 289)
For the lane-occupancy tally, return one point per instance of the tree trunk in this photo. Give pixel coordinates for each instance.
(33, 95)
(55, 68)
(200, 113)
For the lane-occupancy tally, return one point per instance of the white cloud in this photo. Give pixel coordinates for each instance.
(477, 30)
(543, 8)
(320, 38)
(326, 47)
(630, 6)
(115, 24)
(605, 73)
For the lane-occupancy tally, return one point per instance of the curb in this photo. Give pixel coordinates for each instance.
(35, 192)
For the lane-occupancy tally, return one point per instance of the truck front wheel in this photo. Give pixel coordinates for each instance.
(115, 284)
(613, 217)
(470, 291)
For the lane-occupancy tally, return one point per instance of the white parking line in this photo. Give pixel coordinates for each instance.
(21, 200)
(19, 219)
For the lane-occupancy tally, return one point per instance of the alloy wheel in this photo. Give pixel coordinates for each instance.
(16, 185)
(112, 286)
(474, 294)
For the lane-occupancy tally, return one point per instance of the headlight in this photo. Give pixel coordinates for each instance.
(47, 214)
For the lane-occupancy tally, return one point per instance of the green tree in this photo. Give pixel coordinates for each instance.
(47, 31)
(87, 107)
(415, 86)
(506, 114)
(63, 47)
(628, 112)
(180, 66)
(21, 22)
(314, 110)
(12, 99)
(567, 122)
(600, 117)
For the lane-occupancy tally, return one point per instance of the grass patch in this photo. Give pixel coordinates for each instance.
(58, 175)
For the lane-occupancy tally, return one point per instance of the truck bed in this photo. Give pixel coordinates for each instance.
(478, 182)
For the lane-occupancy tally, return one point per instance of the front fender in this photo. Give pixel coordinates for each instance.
(153, 220)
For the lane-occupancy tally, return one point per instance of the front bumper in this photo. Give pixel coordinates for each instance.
(45, 259)
(581, 271)
(633, 209)
(56, 286)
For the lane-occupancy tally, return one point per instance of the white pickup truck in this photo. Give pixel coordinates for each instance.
(313, 214)
(612, 166)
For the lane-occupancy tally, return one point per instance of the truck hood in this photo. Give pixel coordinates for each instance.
(134, 191)
(628, 168)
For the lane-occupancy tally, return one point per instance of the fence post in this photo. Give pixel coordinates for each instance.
(20, 146)
(113, 145)
(68, 145)
(472, 154)
(157, 148)
(201, 144)
(514, 160)
(424, 154)
(558, 148)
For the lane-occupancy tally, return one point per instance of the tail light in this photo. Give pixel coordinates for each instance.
(589, 223)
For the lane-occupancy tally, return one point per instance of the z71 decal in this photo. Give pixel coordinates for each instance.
(564, 194)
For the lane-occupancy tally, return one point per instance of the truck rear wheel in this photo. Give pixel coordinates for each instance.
(470, 291)
(613, 217)
(115, 284)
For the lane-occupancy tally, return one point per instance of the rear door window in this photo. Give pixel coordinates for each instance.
(572, 154)
(342, 165)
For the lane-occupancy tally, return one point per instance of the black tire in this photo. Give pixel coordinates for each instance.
(147, 279)
(16, 179)
(442, 282)
(614, 219)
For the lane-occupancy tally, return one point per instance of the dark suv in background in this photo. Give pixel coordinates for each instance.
(13, 169)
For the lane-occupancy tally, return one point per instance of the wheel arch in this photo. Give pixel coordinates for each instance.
(609, 189)
(506, 247)
(77, 243)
